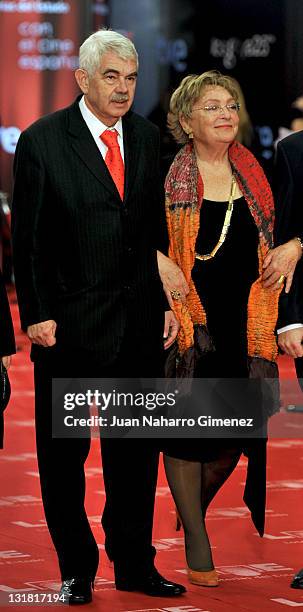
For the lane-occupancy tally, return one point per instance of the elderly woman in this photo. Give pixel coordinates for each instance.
(220, 216)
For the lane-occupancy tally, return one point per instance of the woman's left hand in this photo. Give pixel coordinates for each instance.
(280, 264)
(171, 328)
(7, 361)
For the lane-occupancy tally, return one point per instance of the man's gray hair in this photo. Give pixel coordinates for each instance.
(101, 42)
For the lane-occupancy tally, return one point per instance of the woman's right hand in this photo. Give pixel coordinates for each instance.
(173, 279)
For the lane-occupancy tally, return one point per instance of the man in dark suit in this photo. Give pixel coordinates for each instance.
(87, 224)
(288, 191)
(7, 341)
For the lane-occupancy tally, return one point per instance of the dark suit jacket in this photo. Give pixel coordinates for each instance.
(288, 192)
(7, 339)
(81, 256)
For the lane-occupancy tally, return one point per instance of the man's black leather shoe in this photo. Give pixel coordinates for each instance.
(76, 591)
(297, 582)
(154, 585)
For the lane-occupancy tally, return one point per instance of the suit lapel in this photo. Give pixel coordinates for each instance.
(85, 147)
(131, 152)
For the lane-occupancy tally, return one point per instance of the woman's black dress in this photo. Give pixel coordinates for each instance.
(223, 284)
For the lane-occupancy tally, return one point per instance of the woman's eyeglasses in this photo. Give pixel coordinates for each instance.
(216, 109)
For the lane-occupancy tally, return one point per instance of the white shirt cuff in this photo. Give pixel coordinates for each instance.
(288, 327)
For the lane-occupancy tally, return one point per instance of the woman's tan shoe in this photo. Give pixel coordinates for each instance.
(207, 579)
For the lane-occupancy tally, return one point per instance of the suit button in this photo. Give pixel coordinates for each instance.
(124, 212)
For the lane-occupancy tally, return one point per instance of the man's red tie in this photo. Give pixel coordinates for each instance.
(113, 159)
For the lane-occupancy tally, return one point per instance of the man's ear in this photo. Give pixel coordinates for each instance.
(82, 79)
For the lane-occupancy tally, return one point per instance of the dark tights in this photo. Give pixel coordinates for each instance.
(193, 485)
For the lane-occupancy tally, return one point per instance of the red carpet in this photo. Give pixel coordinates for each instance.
(255, 573)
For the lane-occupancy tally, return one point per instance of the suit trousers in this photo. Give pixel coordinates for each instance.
(299, 370)
(129, 469)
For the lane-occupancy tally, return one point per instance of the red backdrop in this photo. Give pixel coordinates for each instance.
(40, 42)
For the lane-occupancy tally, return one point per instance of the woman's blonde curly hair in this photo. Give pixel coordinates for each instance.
(187, 94)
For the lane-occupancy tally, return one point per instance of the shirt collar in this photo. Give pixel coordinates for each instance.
(96, 126)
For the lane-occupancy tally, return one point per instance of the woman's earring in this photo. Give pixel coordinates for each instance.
(189, 133)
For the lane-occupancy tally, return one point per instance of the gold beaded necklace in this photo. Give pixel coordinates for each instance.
(226, 224)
